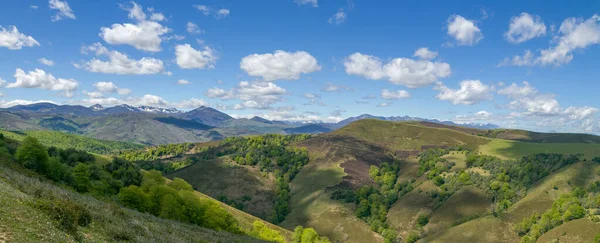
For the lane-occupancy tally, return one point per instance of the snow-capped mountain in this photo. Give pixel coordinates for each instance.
(153, 109)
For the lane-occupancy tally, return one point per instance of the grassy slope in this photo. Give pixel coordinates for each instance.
(468, 202)
(539, 198)
(407, 135)
(514, 149)
(224, 177)
(527, 136)
(22, 221)
(65, 140)
(311, 204)
(576, 231)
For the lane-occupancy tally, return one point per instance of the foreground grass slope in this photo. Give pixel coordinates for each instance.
(514, 149)
(23, 220)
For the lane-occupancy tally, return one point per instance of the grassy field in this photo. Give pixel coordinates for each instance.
(537, 137)
(485, 229)
(402, 216)
(514, 149)
(311, 204)
(576, 231)
(408, 135)
(224, 177)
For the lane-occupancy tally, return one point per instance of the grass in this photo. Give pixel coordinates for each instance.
(403, 214)
(459, 159)
(408, 135)
(537, 137)
(485, 229)
(576, 231)
(311, 204)
(224, 177)
(65, 140)
(469, 202)
(513, 149)
(22, 221)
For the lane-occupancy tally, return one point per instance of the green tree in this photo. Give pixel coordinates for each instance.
(81, 177)
(261, 231)
(180, 185)
(56, 170)
(423, 219)
(33, 155)
(134, 197)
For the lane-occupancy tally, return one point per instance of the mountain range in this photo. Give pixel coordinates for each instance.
(139, 124)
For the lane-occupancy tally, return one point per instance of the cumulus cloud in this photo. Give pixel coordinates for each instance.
(573, 34)
(516, 91)
(425, 54)
(311, 96)
(525, 27)
(192, 28)
(40, 79)
(480, 116)
(46, 62)
(280, 65)
(143, 35)
(394, 95)
(464, 31)
(203, 8)
(384, 104)
(12, 39)
(401, 71)
(526, 59)
(119, 63)
(259, 95)
(93, 94)
(110, 87)
(147, 100)
(189, 58)
(580, 113)
(183, 82)
(470, 92)
(63, 10)
(313, 3)
(192, 103)
(222, 13)
(338, 18)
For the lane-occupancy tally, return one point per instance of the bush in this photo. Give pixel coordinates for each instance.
(422, 219)
(412, 237)
(67, 214)
(261, 231)
(33, 155)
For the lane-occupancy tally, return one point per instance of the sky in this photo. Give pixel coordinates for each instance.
(518, 64)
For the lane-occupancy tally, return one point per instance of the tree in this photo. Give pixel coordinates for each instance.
(423, 219)
(134, 197)
(81, 177)
(56, 170)
(180, 185)
(33, 155)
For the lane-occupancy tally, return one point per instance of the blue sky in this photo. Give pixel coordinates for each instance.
(531, 65)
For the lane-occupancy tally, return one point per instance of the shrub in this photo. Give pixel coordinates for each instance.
(412, 237)
(67, 214)
(423, 219)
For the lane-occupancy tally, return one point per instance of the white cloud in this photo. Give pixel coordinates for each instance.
(203, 8)
(311, 96)
(314, 3)
(222, 13)
(12, 39)
(515, 91)
(147, 100)
(94, 94)
(145, 35)
(330, 87)
(580, 113)
(34, 6)
(40, 79)
(526, 59)
(110, 87)
(188, 57)
(574, 33)
(192, 28)
(394, 95)
(157, 17)
(384, 104)
(280, 65)
(218, 13)
(401, 71)
(2, 82)
(7, 104)
(525, 27)
(338, 18)
(470, 92)
(183, 82)
(46, 62)
(425, 54)
(464, 31)
(119, 63)
(259, 95)
(192, 103)
(537, 105)
(63, 8)
(480, 116)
